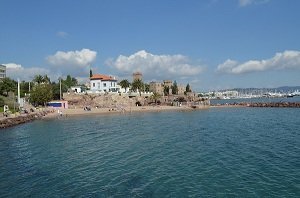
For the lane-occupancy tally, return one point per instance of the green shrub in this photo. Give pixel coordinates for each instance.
(1, 102)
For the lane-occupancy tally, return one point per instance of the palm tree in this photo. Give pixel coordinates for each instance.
(46, 79)
(155, 96)
(124, 84)
(38, 79)
(137, 85)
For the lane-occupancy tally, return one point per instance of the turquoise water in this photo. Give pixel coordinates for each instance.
(221, 152)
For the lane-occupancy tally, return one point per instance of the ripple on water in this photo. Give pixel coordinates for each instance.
(219, 152)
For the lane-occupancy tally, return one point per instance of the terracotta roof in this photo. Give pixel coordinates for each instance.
(102, 77)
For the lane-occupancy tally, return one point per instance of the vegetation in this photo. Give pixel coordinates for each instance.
(2, 102)
(174, 88)
(155, 96)
(91, 73)
(41, 94)
(147, 87)
(8, 85)
(56, 90)
(124, 83)
(137, 85)
(166, 90)
(69, 82)
(41, 90)
(39, 79)
(187, 89)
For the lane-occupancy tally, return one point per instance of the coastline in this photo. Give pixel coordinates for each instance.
(52, 113)
(125, 110)
(17, 118)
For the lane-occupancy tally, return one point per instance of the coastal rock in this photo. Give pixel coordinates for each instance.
(12, 121)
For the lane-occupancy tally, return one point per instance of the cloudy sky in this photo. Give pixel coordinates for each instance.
(211, 44)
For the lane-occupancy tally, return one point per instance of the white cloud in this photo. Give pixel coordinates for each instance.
(284, 60)
(156, 67)
(244, 3)
(16, 71)
(75, 63)
(62, 34)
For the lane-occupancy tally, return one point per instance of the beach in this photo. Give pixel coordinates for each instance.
(125, 110)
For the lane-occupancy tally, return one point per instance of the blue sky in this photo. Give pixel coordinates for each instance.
(211, 44)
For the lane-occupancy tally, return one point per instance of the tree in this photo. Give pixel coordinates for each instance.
(91, 73)
(124, 84)
(7, 85)
(147, 87)
(155, 96)
(46, 79)
(137, 85)
(166, 90)
(24, 88)
(70, 81)
(41, 94)
(188, 88)
(38, 79)
(56, 90)
(174, 88)
(2, 103)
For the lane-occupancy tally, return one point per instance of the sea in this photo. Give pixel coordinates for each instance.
(217, 152)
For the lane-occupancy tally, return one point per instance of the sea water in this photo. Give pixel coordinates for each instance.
(220, 152)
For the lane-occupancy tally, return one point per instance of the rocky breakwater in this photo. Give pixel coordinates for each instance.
(275, 104)
(6, 122)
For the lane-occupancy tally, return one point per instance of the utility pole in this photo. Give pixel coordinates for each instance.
(19, 99)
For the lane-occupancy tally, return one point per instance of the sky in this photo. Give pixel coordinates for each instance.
(210, 44)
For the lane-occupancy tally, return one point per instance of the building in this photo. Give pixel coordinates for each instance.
(2, 71)
(77, 89)
(156, 87)
(58, 104)
(181, 89)
(168, 83)
(137, 76)
(103, 83)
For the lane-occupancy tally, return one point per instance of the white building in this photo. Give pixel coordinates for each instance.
(103, 83)
(77, 89)
(2, 71)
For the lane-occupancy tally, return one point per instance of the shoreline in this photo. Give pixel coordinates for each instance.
(125, 111)
(16, 119)
(52, 113)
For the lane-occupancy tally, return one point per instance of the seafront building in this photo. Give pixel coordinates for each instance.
(2, 72)
(181, 89)
(103, 83)
(158, 87)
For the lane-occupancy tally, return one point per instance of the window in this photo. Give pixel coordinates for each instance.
(93, 84)
(104, 84)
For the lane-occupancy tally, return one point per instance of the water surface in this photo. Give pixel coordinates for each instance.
(235, 152)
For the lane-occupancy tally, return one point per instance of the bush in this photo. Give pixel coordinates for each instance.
(1, 102)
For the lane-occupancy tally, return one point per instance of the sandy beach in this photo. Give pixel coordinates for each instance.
(125, 110)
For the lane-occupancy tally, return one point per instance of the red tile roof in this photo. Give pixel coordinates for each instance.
(102, 77)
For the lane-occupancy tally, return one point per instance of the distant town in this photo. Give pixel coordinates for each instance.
(287, 91)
